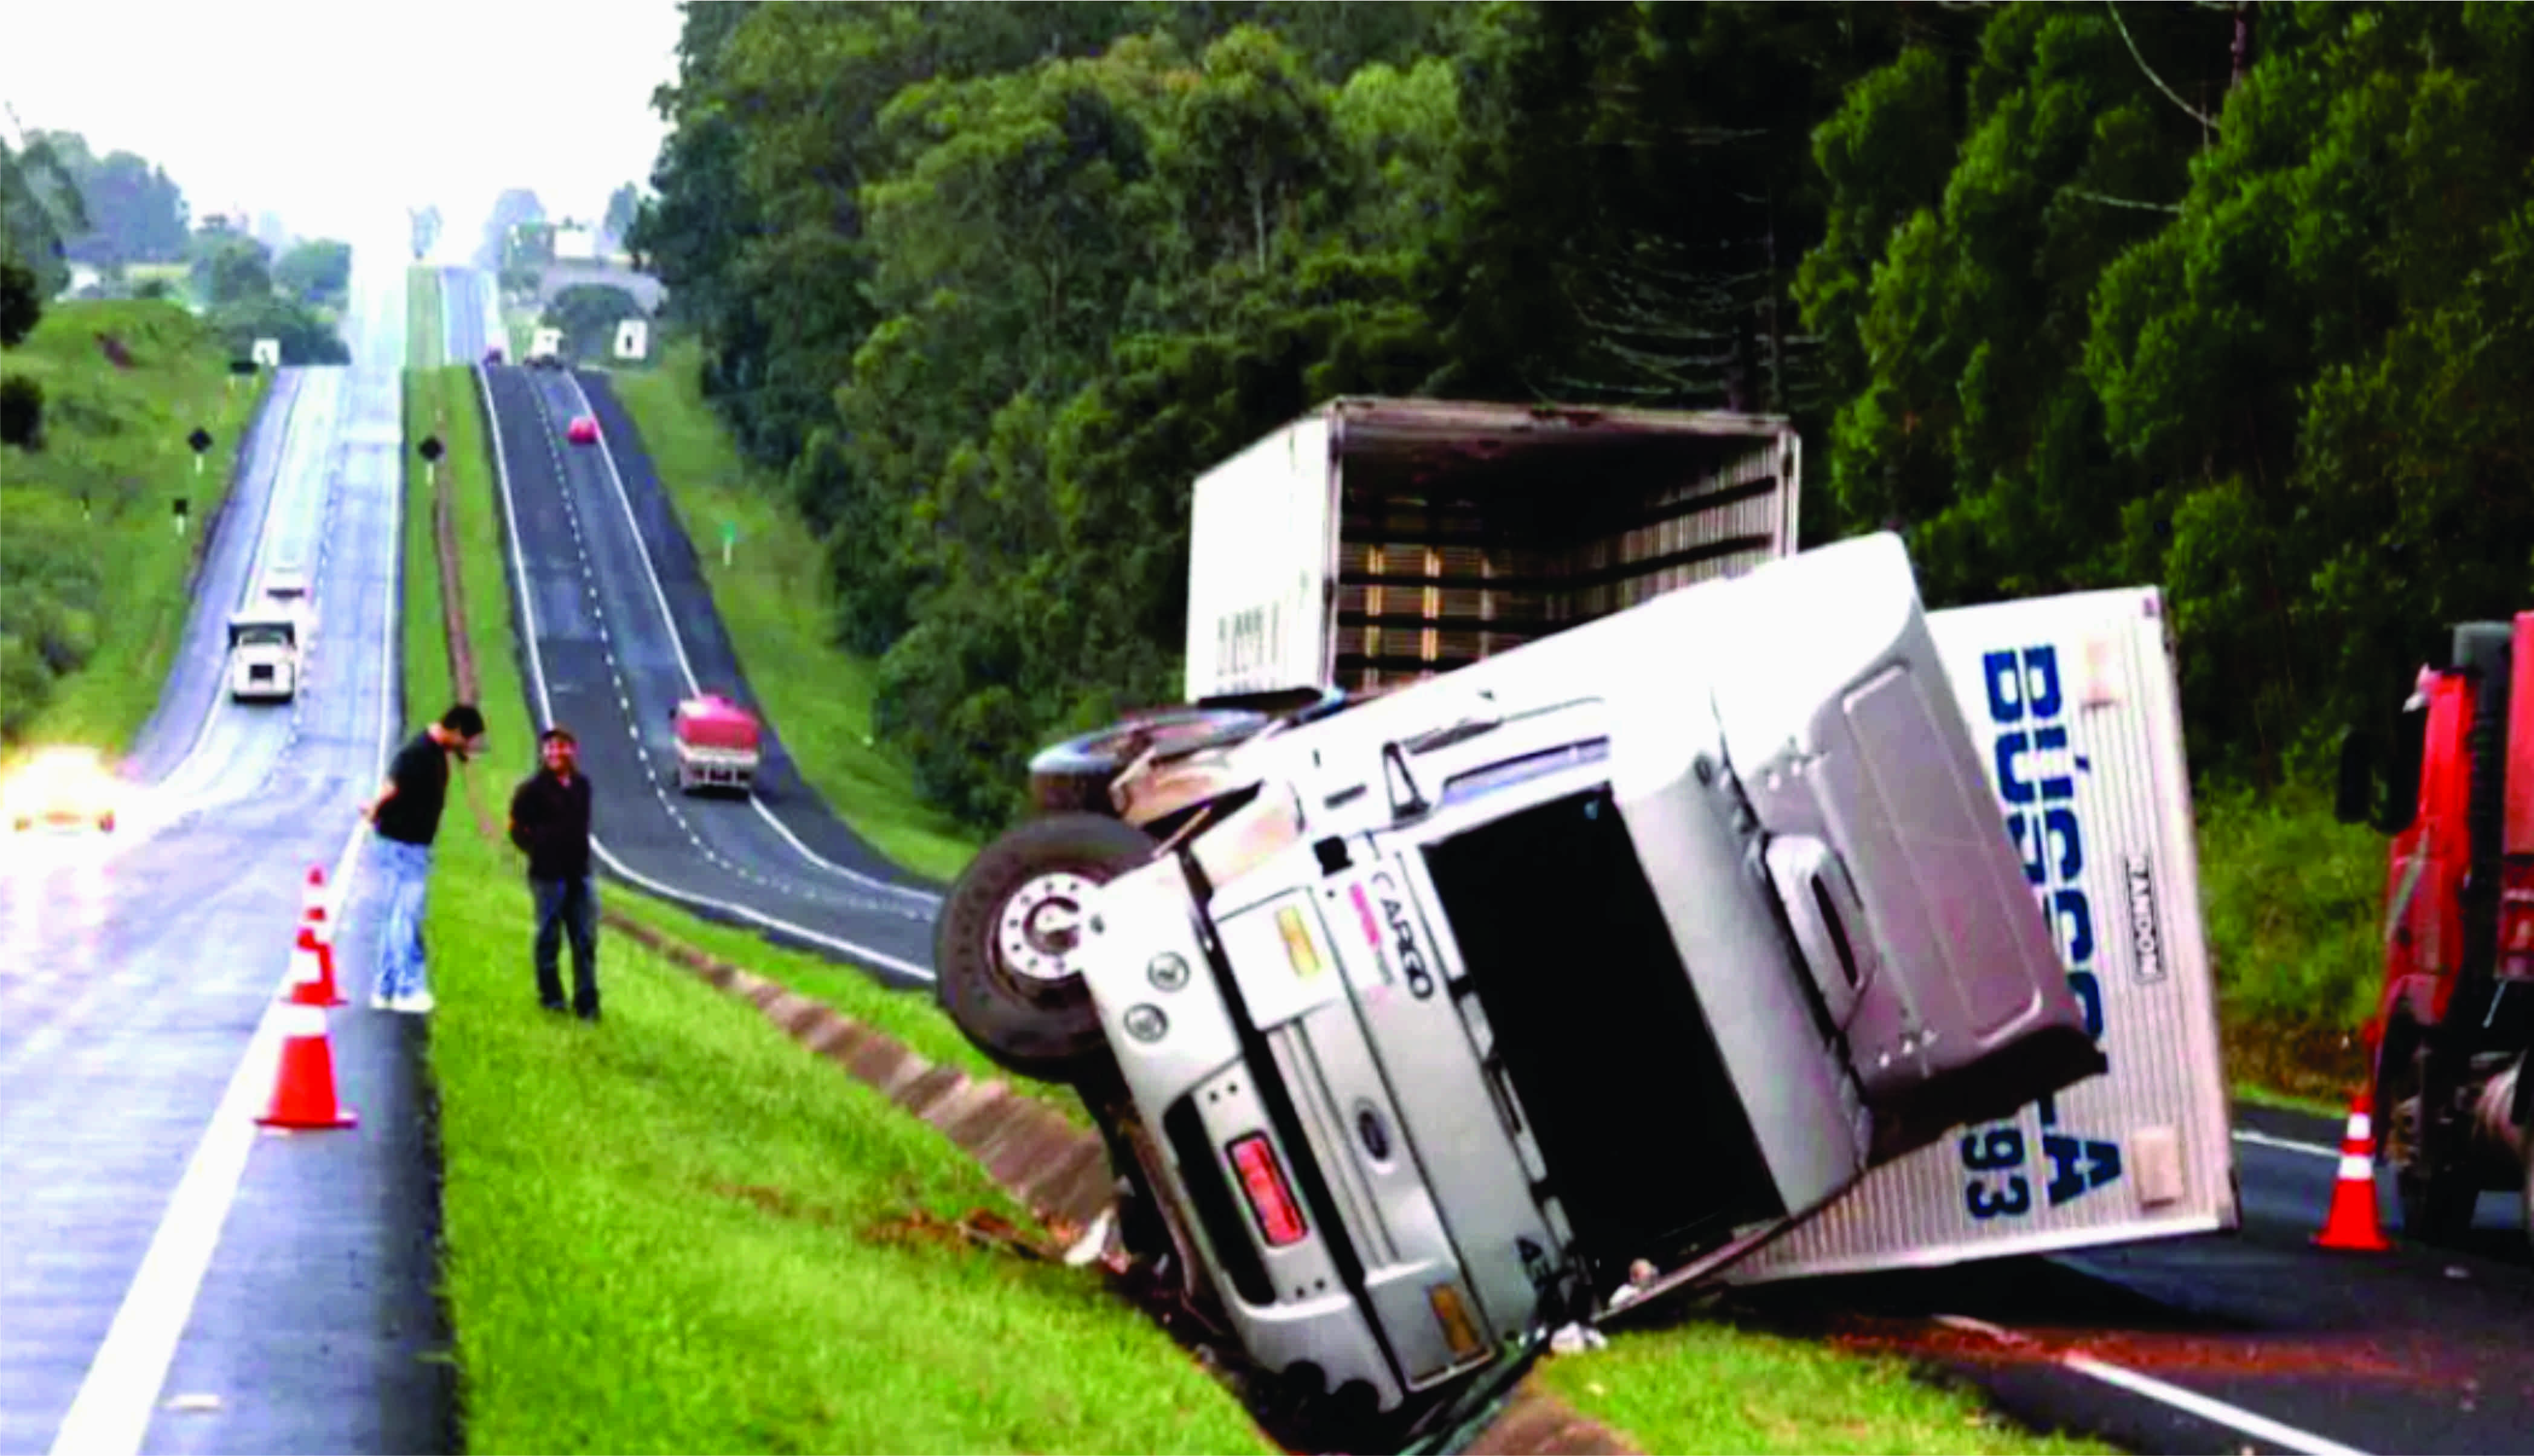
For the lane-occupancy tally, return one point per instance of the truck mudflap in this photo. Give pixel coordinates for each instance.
(2074, 706)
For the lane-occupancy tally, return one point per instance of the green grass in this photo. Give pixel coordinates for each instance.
(680, 1232)
(426, 333)
(1708, 1386)
(774, 599)
(2294, 906)
(2256, 1095)
(119, 435)
(908, 1017)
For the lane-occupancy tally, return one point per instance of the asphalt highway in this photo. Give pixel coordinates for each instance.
(173, 1278)
(620, 630)
(470, 315)
(2251, 1341)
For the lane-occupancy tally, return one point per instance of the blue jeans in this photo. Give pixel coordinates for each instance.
(406, 869)
(568, 905)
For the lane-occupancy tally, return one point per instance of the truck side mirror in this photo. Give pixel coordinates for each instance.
(2355, 803)
(2401, 802)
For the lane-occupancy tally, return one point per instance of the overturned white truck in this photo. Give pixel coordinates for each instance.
(1634, 933)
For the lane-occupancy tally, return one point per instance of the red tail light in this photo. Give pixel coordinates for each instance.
(1262, 1181)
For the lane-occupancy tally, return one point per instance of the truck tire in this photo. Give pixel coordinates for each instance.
(2436, 1203)
(1002, 941)
(1073, 776)
(2437, 1210)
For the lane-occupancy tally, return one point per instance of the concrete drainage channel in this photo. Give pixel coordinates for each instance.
(1060, 1173)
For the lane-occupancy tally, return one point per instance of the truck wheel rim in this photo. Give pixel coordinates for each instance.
(1041, 926)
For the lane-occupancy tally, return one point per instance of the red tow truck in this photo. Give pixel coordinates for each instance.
(717, 744)
(2451, 1100)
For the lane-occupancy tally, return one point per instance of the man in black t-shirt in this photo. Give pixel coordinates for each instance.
(406, 817)
(550, 820)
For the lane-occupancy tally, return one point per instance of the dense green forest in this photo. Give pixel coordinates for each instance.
(2236, 298)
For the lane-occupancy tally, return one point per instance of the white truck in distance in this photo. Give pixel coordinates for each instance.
(264, 654)
(267, 636)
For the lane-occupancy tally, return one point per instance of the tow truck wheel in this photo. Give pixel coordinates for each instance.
(2435, 1209)
(1004, 941)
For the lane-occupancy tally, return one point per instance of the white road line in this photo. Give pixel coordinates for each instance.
(2189, 1402)
(2284, 1144)
(537, 671)
(2219, 1412)
(669, 619)
(110, 1416)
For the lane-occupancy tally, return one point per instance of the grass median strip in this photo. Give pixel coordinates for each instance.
(1704, 1385)
(677, 1232)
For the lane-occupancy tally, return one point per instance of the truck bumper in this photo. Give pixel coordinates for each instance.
(1319, 1256)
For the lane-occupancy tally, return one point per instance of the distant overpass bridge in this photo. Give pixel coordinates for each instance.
(555, 277)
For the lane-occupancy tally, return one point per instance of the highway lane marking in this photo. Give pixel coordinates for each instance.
(2190, 1402)
(2285, 1144)
(545, 702)
(111, 1414)
(677, 641)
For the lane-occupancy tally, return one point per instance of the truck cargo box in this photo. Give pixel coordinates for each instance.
(2073, 701)
(1378, 541)
(713, 722)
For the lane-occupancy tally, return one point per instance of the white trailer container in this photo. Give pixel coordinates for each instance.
(1377, 541)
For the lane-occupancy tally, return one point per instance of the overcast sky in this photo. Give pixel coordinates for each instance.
(338, 116)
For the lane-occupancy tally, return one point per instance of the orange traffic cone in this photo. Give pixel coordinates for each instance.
(2351, 1225)
(312, 894)
(316, 990)
(303, 1087)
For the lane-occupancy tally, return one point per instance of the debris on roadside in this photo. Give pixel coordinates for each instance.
(1574, 1338)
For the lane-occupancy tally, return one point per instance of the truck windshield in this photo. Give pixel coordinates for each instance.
(1600, 1033)
(261, 636)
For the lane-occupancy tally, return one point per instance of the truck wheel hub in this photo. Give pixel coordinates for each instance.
(1042, 926)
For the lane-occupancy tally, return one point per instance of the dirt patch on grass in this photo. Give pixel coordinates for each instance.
(979, 1228)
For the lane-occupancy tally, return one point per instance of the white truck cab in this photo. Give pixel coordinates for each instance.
(264, 654)
(1508, 979)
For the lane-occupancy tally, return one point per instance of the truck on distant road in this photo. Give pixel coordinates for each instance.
(263, 652)
(2452, 784)
(717, 744)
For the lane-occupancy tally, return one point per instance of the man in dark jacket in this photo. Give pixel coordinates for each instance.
(550, 820)
(405, 818)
